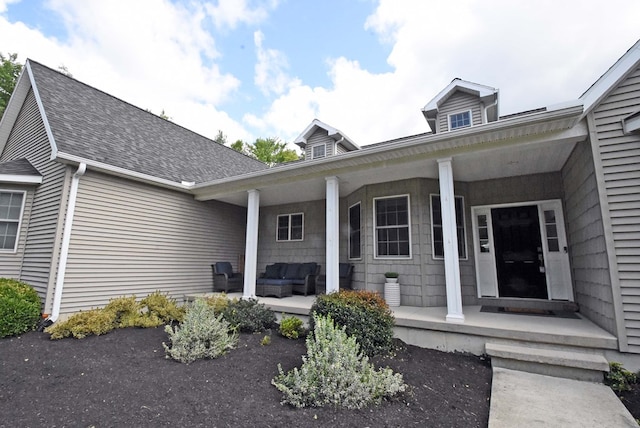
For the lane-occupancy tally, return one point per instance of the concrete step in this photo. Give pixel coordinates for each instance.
(549, 362)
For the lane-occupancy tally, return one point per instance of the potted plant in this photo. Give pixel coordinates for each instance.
(392, 277)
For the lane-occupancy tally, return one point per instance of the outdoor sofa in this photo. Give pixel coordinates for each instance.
(283, 279)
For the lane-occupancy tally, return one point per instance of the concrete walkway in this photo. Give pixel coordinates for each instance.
(520, 399)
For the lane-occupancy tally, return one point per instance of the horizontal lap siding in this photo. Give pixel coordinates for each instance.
(457, 103)
(620, 156)
(131, 238)
(29, 140)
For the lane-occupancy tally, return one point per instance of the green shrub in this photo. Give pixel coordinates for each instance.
(619, 378)
(154, 310)
(248, 315)
(160, 307)
(291, 327)
(364, 314)
(218, 301)
(125, 311)
(202, 334)
(335, 373)
(19, 307)
(83, 324)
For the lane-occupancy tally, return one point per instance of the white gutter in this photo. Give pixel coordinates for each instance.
(66, 239)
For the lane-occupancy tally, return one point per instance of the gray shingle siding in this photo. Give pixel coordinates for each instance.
(585, 234)
(96, 126)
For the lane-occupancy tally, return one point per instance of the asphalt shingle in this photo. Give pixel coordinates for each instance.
(94, 125)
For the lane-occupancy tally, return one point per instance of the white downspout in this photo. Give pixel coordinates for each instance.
(66, 239)
(484, 111)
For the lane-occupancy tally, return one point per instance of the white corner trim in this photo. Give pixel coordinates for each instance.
(66, 239)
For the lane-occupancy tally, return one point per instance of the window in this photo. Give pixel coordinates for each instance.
(290, 227)
(318, 151)
(436, 227)
(391, 216)
(10, 214)
(354, 232)
(460, 120)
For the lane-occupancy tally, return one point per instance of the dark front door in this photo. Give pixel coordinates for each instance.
(519, 255)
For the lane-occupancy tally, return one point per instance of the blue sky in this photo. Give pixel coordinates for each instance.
(267, 68)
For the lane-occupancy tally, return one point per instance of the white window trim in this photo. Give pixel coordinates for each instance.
(289, 231)
(375, 228)
(24, 200)
(349, 226)
(460, 112)
(313, 153)
(464, 224)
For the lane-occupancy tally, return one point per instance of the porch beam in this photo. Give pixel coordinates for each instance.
(251, 246)
(450, 238)
(333, 234)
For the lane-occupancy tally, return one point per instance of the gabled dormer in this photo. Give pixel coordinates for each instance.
(460, 105)
(320, 140)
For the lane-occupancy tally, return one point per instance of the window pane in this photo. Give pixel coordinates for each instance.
(553, 245)
(552, 231)
(8, 235)
(296, 220)
(549, 216)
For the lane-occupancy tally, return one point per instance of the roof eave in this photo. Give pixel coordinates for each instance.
(548, 121)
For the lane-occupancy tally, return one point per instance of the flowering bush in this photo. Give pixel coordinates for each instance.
(334, 372)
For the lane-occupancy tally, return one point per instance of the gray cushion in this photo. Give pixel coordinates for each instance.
(291, 271)
(272, 272)
(268, 281)
(224, 267)
(307, 269)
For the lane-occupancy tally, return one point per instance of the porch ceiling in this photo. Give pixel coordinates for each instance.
(480, 156)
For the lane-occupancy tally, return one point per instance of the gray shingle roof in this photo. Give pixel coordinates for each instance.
(18, 167)
(94, 125)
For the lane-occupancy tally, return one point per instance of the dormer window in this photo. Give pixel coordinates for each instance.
(318, 151)
(460, 120)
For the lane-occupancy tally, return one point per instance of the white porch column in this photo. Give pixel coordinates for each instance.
(333, 234)
(450, 237)
(251, 246)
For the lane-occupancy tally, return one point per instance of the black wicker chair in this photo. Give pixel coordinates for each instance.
(225, 279)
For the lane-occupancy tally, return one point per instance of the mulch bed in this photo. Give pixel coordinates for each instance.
(124, 379)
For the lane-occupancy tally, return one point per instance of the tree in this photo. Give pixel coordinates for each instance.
(9, 71)
(269, 150)
(221, 138)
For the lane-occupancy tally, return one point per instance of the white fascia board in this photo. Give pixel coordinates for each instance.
(610, 79)
(481, 91)
(122, 172)
(257, 177)
(20, 179)
(45, 121)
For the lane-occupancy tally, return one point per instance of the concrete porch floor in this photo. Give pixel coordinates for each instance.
(427, 328)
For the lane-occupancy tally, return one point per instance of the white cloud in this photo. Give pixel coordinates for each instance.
(230, 13)
(537, 54)
(271, 69)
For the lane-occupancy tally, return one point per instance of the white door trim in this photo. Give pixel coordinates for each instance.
(557, 267)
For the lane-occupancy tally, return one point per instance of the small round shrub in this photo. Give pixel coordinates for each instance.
(291, 327)
(335, 373)
(124, 310)
(364, 314)
(247, 315)
(202, 334)
(19, 307)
